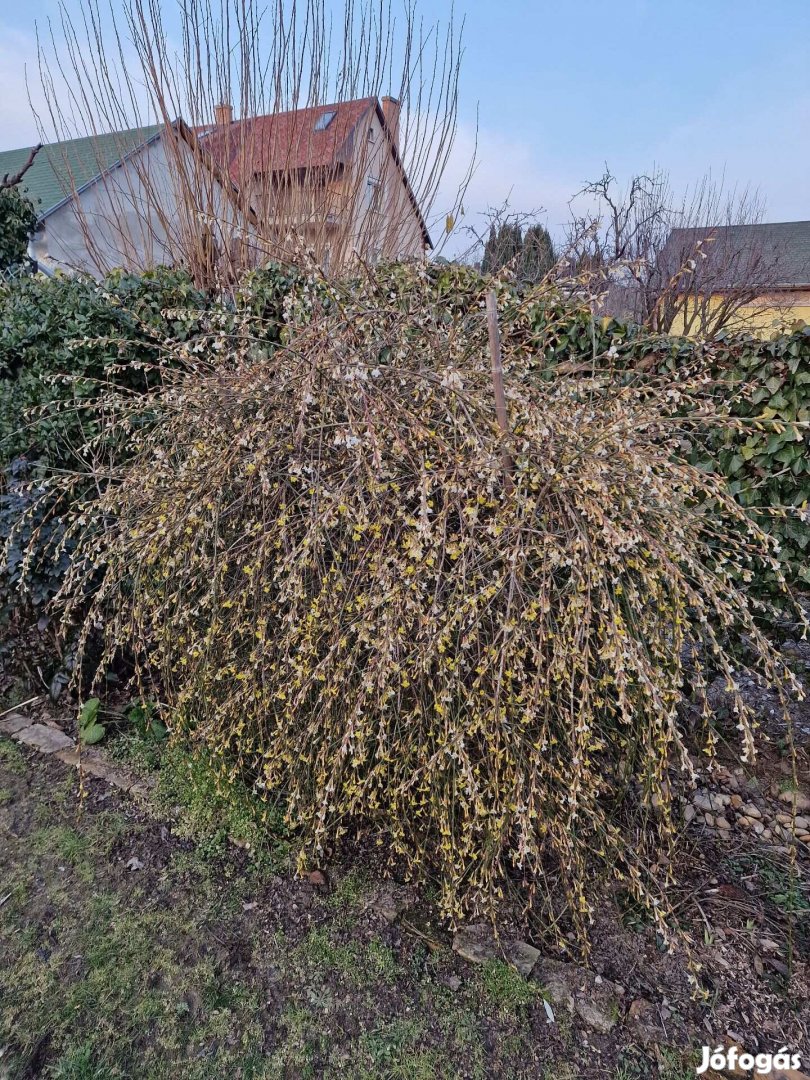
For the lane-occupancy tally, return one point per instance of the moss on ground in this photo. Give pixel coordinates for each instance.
(133, 955)
(141, 944)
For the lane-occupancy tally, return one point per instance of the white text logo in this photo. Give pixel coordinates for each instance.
(729, 1057)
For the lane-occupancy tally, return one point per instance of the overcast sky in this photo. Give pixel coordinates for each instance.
(560, 88)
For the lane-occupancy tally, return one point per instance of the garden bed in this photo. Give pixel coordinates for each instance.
(139, 943)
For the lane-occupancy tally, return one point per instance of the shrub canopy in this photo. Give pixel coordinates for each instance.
(315, 553)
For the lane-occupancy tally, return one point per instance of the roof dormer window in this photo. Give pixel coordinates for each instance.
(324, 120)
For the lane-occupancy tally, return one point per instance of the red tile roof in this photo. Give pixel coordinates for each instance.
(285, 141)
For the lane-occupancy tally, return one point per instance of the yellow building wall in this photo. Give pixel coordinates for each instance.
(772, 313)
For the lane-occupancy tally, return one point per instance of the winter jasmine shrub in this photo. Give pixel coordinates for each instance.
(318, 556)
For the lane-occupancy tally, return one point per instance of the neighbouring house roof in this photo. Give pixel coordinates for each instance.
(778, 251)
(286, 142)
(62, 168)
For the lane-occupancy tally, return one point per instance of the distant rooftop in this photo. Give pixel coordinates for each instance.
(319, 136)
(782, 248)
(60, 168)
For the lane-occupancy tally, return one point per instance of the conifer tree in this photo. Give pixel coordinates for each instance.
(537, 256)
(505, 244)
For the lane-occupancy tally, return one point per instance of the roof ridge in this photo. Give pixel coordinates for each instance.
(85, 138)
(741, 225)
(304, 108)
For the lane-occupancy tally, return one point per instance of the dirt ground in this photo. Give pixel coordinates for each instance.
(134, 946)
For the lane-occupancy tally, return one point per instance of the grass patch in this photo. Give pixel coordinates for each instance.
(79, 1064)
(159, 974)
(141, 754)
(381, 961)
(318, 950)
(214, 808)
(11, 758)
(349, 891)
(677, 1064)
(396, 1050)
(779, 881)
(506, 988)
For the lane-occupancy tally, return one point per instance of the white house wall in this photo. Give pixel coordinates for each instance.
(134, 217)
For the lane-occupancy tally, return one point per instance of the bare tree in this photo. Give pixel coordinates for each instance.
(257, 186)
(690, 266)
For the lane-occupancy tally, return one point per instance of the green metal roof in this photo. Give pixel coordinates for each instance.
(62, 167)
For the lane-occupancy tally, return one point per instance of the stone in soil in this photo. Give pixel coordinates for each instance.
(523, 956)
(796, 799)
(390, 900)
(595, 1000)
(48, 740)
(646, 1022)
(94, 763)
(477, 943)
(13, 723)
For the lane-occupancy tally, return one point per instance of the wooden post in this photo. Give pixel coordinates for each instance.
(497, 383)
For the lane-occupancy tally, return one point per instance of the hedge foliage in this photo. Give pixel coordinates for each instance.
(66, 343)
(769, 467)
(63, 339)
(317, 555)
(18, 219)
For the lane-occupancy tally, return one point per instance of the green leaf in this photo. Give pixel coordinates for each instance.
(159, 730)
(89, 712)
(91, 734)
(735, 464)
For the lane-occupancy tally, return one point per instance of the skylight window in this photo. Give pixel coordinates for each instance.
(324, 120)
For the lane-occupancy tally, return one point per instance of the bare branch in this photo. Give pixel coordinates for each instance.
(683, 268)
(358, 191)
(11, 180)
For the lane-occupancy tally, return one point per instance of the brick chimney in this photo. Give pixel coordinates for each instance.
(391, 108)
(223, 114)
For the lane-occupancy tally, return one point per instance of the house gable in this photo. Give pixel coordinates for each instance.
(61, 169)
(320, 140)
(149, 205)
